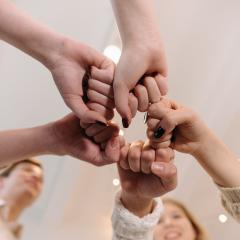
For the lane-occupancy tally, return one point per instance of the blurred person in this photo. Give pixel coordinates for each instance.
(20, 186)
(177, 222)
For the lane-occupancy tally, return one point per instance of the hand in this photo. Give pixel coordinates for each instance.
(189, 131)
(100, 96)
(70, 139)
(139, 188)
(72, 62)
(135, 62)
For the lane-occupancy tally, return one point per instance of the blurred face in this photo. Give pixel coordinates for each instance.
(174, 225)
(24, 184)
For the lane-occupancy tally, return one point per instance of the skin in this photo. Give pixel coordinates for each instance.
(62, 137)
(192, 136)
(145, 52)
(174, 225)
(20, 189)
(138, 188)
(67, 59)
(142, 164)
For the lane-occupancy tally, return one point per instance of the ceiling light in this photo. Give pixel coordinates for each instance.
(222, 218)
(121, 132)
(113, 52)
(116, 182)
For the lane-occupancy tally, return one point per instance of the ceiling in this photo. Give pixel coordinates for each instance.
(202, 43)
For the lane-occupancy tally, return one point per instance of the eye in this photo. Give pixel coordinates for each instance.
(176, 216)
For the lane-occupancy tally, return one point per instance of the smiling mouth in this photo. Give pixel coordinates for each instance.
(172, 235)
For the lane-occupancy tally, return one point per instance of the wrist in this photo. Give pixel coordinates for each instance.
(137, 205)
(45, 140)
(207, 142)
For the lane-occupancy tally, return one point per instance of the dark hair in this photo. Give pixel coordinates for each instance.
(7, 171)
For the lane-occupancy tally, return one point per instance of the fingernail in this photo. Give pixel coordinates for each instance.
(158, 167)
(159, 132)
(125, 123)
(101, 123)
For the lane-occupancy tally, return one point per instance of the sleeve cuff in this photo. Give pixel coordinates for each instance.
(230, 198)
(129, 226)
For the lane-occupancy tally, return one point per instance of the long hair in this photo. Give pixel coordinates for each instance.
(201, 233)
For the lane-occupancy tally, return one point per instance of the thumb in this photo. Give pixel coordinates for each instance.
(167, 173)
(125, 79)
(81, 110)
(121, 96)
(112, 150)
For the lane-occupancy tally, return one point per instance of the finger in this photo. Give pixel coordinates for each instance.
(157, 145)
(112, 150)
(101, 87)
(167, 173)
(164, 155)
(124, 157)
(105, 74)
(121, 93)
(94, 129)
(154, 94)
(133, 104)
(106, 112)
(163, 138)
(96, 97)
(134, 156)
(109, 132)
(147, 158)
(81, 110)
(152, 123)
(158, 110)
(84, 125)
(162, 84)
(142, 96)
(125, 80)
(174, 118)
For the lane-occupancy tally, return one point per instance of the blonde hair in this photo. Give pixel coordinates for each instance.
(201, 233)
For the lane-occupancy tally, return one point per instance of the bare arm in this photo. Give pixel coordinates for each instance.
(142, 46)
(24, 143)
(191, 135)
(67, 60)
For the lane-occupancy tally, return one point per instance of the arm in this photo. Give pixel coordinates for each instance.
(142, 47)
(62, 137)
(24, 143)
(192, 136)
(67, 60)
(136, 212)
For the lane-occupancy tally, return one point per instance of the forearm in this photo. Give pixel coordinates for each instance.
(21, 31)
(23, 143)
(220, 163)
(138, 206)
(136, 20)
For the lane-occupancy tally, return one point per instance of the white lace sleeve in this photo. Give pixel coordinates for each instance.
(127, 226)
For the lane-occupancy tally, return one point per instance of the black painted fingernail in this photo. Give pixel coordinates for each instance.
(159, 132)
(125, 123)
